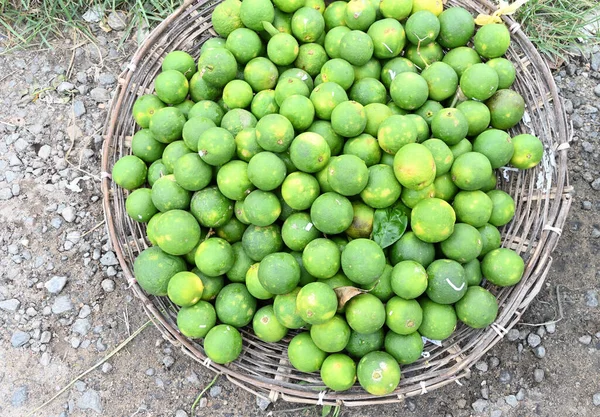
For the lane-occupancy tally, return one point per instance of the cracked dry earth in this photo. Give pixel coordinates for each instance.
(64, 304)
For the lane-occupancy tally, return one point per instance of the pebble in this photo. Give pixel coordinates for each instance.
(109, 259)
(539, 352)
(597, 90)
(596, 184)
(520, 395)
(106, 79)
(5, 194)
(192, 378)
(410, 404)
(596, 399)
(591, 298)
(588, 147)
(494, 361)
(10, 305)
(512, 335)
(56, 222)
(117, 20)
(46, 337)
(68, 214)
(100, 94)
(181, 413)
(20, 396)
(480, 405)
(78, 108)
(586, 205)
(505, 376)
(19, 338)
(511, 400)
(65, 87)
(55, 284)
(168, 361)
(538, 375)
(81, 326)
(62, 304)
(496, 413)
(533, 340)
(481, 366)
(85, 311)
(75, 342)
(90, 400)
(150, 371)
(585, 339)
(80, 386)
(595, 233)
(215, 391)
(108, 285)
(262, 403)
(106, 367)
(551, 327)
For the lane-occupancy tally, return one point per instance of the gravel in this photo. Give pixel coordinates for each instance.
(168, 361)
(117, 20)
(78, 108)
(20, 396)
(215, 391)
(504, 376)
(539, 352)
(108, 285)
(596, 184)
(262, 403)
(585, 339)
(511, 400)
(90, 400)
(65, 87)
(109, 258)
(597, 90)
(100, 94)
(68, 214)
(81, 326)
(482, 366)
(10, 305)
(150, 371)
(45, 337)
(591, 298)
(512, 335)
(5, 194)
(106, 367)
(538, 375)
(596, 399)
(56, 284)
(19, 338)
(551, 328)
(181, 413)
(480, 405)
(62, 304)
(533, 340)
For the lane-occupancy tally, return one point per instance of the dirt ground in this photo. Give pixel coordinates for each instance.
(64, 304)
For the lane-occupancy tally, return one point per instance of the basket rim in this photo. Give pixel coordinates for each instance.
(461, 368)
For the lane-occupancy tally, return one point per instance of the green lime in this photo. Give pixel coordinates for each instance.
(439, 320)
(360, 14)
(349, 119)
(461, 147)
(477, 114)
(225, 17)
(473, 272)
(362, 222)
(461, 58)
(299, 110)
(365, 313)
(432, 220)
(397, 9)
(506, 71)
(388, 38)
(331, 212)
(185, 289)
(279, 273)
(457, 26)
(414, 166)
(212, 43)
(233, 181)
(171, 86)
(236, 120)
(324, 128)
(335, 15)
(173, 152)
(153, 269)
(214, 256)
(447, 280)
(408, 279)
(507, 108)
(241, 263)
(283, 49)
(254, 286)
(231, 231)
(372, 69)
(288, 6)
(196, 320)
(311, 58)
(325, 97)
(262, 207)
(409, 90)
(471, 171)
(299, 74)
(333, 39)
(299, 190)
(216, 146)
(316, 303)
(144, 108)
(191, 172)
(528, 151)
(211, 208)
(422, 28)
(168, 195)
(193, 128)
(411, 248)
(139, 205)
(503, 209)
(441, 79)
(286, 312)
(266, 327)
(463, 245)
(479, 82)
(382, 288)
(496, 145)
(167, 124)
(492, 41)
(403, 316)
(356, 47)
(237, 94)
(395, 132)
(266, 171)
(177, 232)
(321, 258)
(429, 109)
(307, 24)
(473, 207)
(393, 67)
(367, 91)
(223, 344)
(360, 344)
(309, 152)
(410, 198)
(378, 373)
(449, 125)
(261, 74)
(146, 147)
(129, 172)
(331, 336)
(363, 261)
(201, 90)
(297, 231)
(445, 189)
(442, 155)
(490, 238)
(503, 267)
(423, 56)
(260, 241)
(254, 12)
(376, 113)
(244, 44)
(338, 71)
(217, 66)
(365, 147)
(347, 174)
(304, 355)
(180, 61)
(338, 372)
(264, 103)
(478, 308)
(235, 305)
(274, 132)
(406, 349)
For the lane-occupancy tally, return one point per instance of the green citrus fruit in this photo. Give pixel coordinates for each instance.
(235, 305)
(266, 327)
(528, 151)
(316, 303)
(362, 343)
(378, 373)
(180, 61)
(146, 147)
(237, 94)
(503, 209)
(325, 97)
(201, 90)
(266, 171)
(496, 145)
(403, 316)
(447, 281)
(274, 132)
(264, 103)
(254, 12)
(441, 80)
(397, 9)
(414, 166)
(304, 355)
(173, 152)
(297, 231)
(478, 308)
(335, 15)
(233, 181)
(473, 207)
(193, 128)
(279, 273)
(422, 27)
(338, 372)
(393, 67)
(261, 74)
(309, 152)
(376, 113)
(382, 288)
(211, 208)
(283, 49)
(196, 320)
(388, 38)
(300, 190)
(449, 125)
(410, 248)
(338, 71)
(185, 289)
(442, 155)
(365, 313)
(153, 269)
(432, 220)
(477, 114)
(223, 344)
(349, 119)
(286, 312)
(307, 24)
(423, 56)
(461, 147)
(214, 256)
(457, 26)
(260, 241)
(409, 90)
(503, 267)
(461, 58)
(471, 171)
(216, 146)
(362, 223)
(507, 108)
(439, 320)
(225, 17)
(463, 245)
(191, 172)
(177, 232)
(356, 47)
(168, 195)
(262, 208)
(347, 174)
(490, 238)
(479, 82)
(492, 41)
(333, 39)
(331, 213)
(139, 205)
(299, 110)
(406, 349)
(208, 109)
(445, 189)
(171, 86)
(331, 336)
(363, 261)
(395, 132)
(408, 279)
(144, 108)
(321, 258)
(311, 58)
(217, 66)
(506, 71)
(473, 272)
(429, 109)
(244, 44)
(241, 263)
(365, 147)
(129, 172)
(410, 198)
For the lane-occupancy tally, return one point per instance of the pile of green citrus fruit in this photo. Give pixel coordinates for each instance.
(311, 148)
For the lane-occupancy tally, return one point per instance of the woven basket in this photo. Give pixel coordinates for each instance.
(542, 203)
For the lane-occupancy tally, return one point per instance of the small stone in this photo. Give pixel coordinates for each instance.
(586, 205)
(65, 87)
(505, 376)
(480, 405)
(538, 375)
(596, 399)
(80, 386)
(85, 311)
(75, 342)
(551, 327)
(410, 404)
(78, 108)
(19, 338)
(192, 378)
(511, 400)
(90, 400)
(597, 90)
(168, 361)
(68, 214)
(150, 371)
(496, 413)
(588, 147)
(595, 233)
(5, 194)
(10, 305)
(262, 403)
(106, 367)
(596, 184)
(591, 298)
(45, 359)
(55, 284)
(520, 395)
(568, 106)
(512, 335)
(81, 326)
(215, 391)
(46, 337)
(485, 392)
(482, 366)
(106, 79)
(181, 413)
(494, 362)
(117, 20)
(533, 340)
(108, 285)
(62, 304)
(539, 352)
(462, 403)
(99, 94)
(585, 339)
(19, 396)
(109, 259)
(203, 402)
(93, 14)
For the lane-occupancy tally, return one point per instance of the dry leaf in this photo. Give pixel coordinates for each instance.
(344, 294)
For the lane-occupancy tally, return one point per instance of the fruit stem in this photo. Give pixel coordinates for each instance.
(271, 30)
(458, 97)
